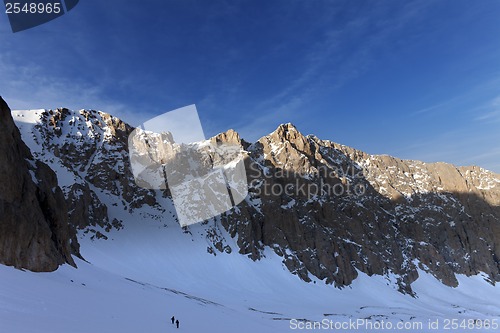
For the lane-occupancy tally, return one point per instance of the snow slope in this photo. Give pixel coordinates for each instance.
(153, 269)
(148, 272)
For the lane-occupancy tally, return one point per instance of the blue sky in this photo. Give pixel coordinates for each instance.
(413, 79)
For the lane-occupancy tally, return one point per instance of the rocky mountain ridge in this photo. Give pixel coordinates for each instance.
(328, 210)
(440, 218)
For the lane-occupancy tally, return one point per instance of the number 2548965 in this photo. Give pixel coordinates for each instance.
(33, 8)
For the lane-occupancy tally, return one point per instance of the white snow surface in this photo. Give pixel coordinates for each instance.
(151, 269)
(145, 273)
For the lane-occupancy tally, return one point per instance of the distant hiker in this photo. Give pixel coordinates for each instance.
(173, 319)
(177, 323)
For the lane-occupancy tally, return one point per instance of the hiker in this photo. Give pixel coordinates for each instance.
(177, 323)
(173, 319)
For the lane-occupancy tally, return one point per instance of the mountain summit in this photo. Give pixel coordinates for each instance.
(329, 211)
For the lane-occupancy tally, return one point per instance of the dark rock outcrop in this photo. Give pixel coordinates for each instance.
(85, 208)
(34, 230)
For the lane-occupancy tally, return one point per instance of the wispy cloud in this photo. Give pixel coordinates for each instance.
(474, 145)
(438, 107)
(492, 111)
(30, 86)
(328, 66)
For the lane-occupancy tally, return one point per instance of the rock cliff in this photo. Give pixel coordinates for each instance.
(34, 229)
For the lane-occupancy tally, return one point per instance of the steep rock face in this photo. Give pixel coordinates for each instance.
(34, 230)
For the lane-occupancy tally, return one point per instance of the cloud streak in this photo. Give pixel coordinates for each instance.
(328, 66)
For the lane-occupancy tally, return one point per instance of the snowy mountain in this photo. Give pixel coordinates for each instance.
(327, 232)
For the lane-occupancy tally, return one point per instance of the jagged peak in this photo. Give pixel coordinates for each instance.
(230, 136)
(286, 128)
(287, 133)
